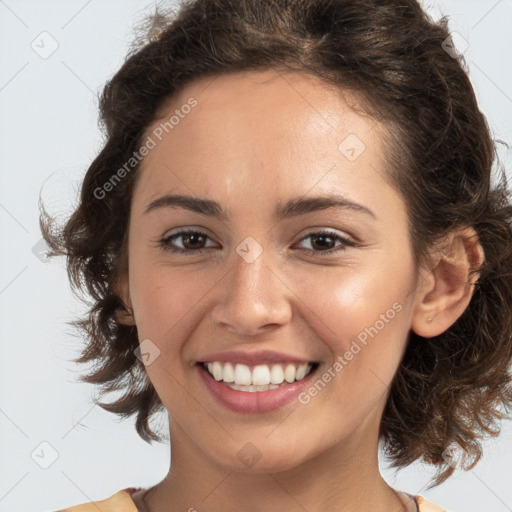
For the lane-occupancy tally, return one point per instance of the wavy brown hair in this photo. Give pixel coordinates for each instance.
(453, 387)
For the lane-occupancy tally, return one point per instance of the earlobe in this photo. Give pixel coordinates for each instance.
(125, 314)
(446, 291)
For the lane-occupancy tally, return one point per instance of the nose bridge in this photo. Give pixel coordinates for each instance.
(253, 296)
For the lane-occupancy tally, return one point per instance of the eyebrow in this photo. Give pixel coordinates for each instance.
(292, 208)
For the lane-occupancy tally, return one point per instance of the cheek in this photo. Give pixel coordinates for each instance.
(346, 301)
(169, 301)
(169, 307)
(362, 318)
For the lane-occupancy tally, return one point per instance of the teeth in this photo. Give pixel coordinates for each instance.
(217, 371)
(228, 373)
(261, 378)
(242, 375)
(253, 389)
(261, 375)
(276, 374)
(301, 372)
(289, 373)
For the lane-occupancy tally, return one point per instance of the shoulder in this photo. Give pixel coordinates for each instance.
(119, 502)
(426, 506)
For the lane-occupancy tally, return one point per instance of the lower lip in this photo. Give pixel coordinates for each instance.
(257, 402)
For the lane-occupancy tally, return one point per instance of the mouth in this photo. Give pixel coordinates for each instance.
(259, 377)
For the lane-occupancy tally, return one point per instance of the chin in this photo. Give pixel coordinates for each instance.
(266, 459)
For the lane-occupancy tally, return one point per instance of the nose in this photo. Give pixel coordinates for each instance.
(254, 298)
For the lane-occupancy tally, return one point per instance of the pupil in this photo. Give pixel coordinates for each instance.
(323, 237)
(192, 237)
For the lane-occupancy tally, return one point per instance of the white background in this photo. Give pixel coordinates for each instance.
(49, 131)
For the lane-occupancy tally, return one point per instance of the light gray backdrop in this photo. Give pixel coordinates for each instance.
(56, 448)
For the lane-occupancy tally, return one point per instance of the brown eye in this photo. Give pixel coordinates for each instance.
(192, 241)
(323, 243)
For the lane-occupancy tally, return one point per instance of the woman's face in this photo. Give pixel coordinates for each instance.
(269, 289)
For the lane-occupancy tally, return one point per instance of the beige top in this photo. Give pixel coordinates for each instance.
(130, 500)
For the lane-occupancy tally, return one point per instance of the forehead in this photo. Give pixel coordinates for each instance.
(275, 101)
(263, 132)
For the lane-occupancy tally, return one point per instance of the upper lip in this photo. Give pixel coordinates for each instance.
(252, 358)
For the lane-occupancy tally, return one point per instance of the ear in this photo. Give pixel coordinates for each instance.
(446, 290)
(121, 288)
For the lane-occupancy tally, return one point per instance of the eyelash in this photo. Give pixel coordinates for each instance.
(165, 243)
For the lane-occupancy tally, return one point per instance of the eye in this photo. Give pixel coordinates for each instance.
(324, 240)
(192, 241)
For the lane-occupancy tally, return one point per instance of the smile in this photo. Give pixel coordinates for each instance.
(262, 377)
(255, 388)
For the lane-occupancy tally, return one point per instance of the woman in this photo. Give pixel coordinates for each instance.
(294, 248)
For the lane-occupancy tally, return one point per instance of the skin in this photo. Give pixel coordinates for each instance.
(254, 141)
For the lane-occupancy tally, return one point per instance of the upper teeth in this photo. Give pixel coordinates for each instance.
(262, 374)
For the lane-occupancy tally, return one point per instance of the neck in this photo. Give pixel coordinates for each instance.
(345, 478)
